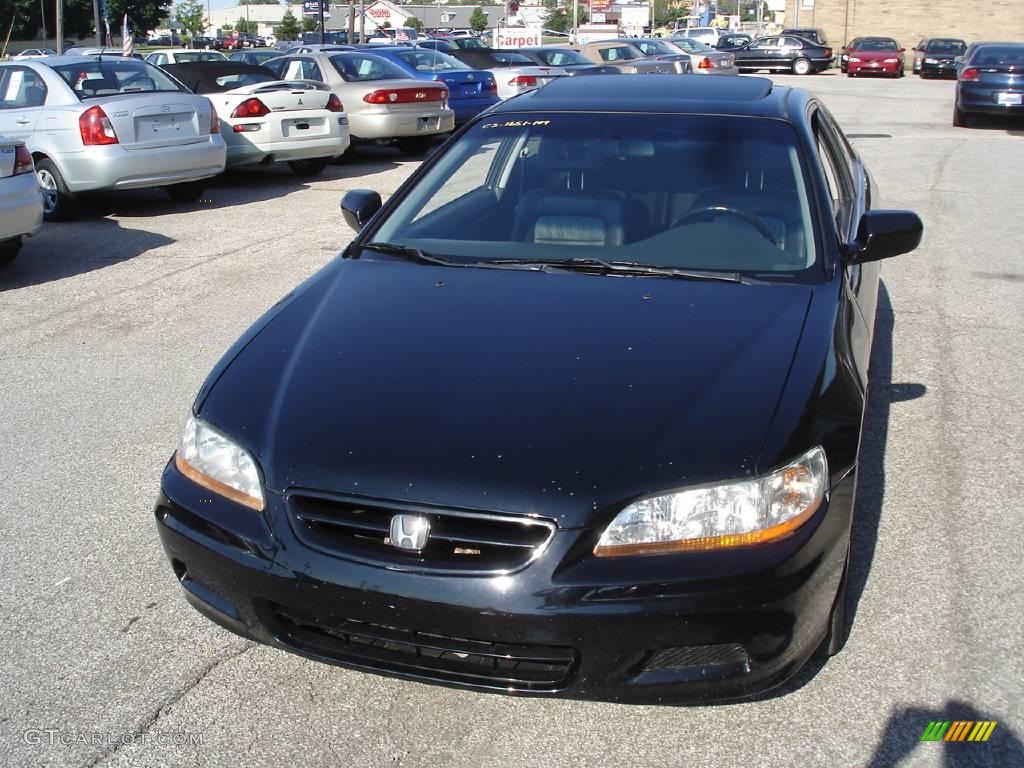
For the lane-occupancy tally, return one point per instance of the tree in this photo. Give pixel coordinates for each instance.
(413, 23)
(190, 14)
(289, 28)
(309, 23)
(244, 26)
(478, 20)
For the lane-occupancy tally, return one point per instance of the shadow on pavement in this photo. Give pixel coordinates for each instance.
(64, 250)
(905, 727)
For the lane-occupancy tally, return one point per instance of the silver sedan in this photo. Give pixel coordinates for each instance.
(21, 206)
(704, 59)
(98, 123)
(382, 102)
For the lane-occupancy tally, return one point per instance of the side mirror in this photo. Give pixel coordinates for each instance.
(903, 50)
(358, 207)
(882, 234)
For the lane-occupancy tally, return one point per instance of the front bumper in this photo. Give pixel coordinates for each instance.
(113, 167)
(872, 68)
(21, 206)
(940, 69)
(665, 629)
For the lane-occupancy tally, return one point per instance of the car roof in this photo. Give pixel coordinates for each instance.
(753, 96)
(56, 61)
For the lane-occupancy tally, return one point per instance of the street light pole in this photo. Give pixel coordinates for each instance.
(323, 34)
(96, 18)
(60, 26)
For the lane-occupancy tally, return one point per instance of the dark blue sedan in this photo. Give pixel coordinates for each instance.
(471, 90)
(990, 81)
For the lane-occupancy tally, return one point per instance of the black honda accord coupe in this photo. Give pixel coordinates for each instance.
(577, 413)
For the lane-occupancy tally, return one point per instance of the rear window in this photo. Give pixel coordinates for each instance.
(998, 55)
(562, 58)
(357, 67)
(229, 82)
(189, 56)
(511, 59)
(562, 186)
(426, 60)
(111, 76)
(620, 53)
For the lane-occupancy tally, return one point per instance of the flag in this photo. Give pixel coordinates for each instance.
(401, 36)
(127, 45)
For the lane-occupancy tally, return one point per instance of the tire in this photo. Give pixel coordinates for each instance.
(960, 118)
(801, 67)
(835, 636)
(311, 167)
(188, 192)
(59, 203)
(9, 250)
(413, 146)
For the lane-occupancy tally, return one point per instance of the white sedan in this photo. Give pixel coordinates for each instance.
(265, 119)
(21, 204)
(183, 56)
(33, 53)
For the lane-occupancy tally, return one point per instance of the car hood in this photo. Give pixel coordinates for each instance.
(563, 395)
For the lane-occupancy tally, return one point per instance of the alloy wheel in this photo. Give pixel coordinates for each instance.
(48, 187)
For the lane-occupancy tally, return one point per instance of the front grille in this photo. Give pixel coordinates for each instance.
(427, 655)
(459, 541)
(722, 659)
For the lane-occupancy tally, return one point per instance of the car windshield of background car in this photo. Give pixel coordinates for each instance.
(520, 185)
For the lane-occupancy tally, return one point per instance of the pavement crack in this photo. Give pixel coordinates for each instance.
(151, 719)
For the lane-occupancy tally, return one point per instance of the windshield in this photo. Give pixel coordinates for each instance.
(878, 45)
(651, 47)
(425, 60)
(111, 76)
(571, 186)
(358, 67)
(468, 43)
(951, 47)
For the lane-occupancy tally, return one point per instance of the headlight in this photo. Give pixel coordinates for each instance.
(931, 61)
(733, 514)
(216, 462)
(855, 59)
(891, 61)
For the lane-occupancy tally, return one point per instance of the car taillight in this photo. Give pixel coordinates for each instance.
(251, 108)
(523, 80)
(334, 104)
(970, 74)
(95, 127)
(705, 63)
(23, 161)
(492, 85)
(828, 52)
(405, 95)
(214, 120)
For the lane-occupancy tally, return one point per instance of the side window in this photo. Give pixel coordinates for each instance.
(21, 88)
(836, 168)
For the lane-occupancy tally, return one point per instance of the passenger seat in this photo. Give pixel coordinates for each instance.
(590, 217)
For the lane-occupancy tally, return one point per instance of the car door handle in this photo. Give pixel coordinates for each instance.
(23, 121)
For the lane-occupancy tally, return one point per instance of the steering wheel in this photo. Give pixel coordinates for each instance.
(712, 210)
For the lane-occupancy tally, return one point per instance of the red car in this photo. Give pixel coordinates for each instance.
(875, 55)
(231, 44)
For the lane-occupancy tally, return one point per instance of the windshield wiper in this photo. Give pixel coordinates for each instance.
(411, 254)
(619, 267)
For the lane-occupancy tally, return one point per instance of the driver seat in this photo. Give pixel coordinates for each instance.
(779, 209)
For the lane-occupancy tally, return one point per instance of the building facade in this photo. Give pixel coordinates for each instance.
(909, 20)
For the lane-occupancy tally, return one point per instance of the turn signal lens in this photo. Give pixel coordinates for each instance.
(95, 127)
(723, 515)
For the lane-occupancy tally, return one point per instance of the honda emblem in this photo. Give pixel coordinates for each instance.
(409, 532)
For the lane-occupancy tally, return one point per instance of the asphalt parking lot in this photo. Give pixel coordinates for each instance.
(109, 325)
